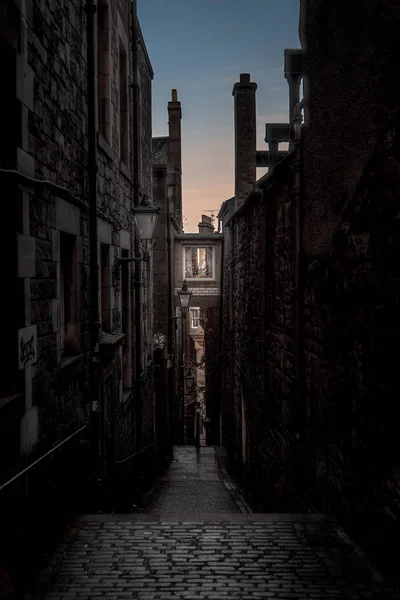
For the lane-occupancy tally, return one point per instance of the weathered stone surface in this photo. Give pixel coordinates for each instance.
(338, 449)
(365, 34)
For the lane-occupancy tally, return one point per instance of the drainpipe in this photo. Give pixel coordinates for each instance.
(136, 200)
(220, 366)
(97, 413)
(171, 324)
(297, 293)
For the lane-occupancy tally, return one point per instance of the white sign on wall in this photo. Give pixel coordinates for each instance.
(27, 346)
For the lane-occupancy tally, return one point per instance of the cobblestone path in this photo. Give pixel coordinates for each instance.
(198, 539)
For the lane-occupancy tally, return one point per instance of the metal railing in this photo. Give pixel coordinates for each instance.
(39, 460)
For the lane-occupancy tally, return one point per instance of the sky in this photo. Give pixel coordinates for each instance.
(200, 47)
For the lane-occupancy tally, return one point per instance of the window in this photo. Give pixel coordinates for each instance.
(103, 69)
(105, 288)
(68, 295)
(195, 317)
(198, 262)
(123, 105)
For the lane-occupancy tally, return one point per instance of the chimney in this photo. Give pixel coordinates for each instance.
(244, 93)
(175, 153)
(174, 125)
(206, 225)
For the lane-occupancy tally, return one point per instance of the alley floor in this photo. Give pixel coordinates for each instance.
(199, 539)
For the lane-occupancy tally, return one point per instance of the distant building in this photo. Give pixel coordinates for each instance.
(198, 261)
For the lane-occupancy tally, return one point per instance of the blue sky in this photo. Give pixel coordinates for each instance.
(200, 47)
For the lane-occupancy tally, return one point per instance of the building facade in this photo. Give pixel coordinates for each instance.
(198, 262)
(75, 160)
(311, 288)
(167, 194)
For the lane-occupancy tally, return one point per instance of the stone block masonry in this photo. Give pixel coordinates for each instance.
(223, 556)
(336, 450)
(197, 539)
(44, 397)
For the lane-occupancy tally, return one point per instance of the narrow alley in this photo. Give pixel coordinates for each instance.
(198, 538)
(200, 260)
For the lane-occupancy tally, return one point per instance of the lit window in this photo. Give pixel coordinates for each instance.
(195, 318)
(198, 262)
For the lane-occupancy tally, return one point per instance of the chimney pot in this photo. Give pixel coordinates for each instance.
(244, 77)
(174, 96)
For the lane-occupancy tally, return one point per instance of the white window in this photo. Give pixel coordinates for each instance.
(195, 317)
(198, 262)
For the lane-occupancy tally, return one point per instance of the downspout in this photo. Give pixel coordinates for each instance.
(136, 200)
(298, 299)
(220, 366)
(171, 324)
(97, 413)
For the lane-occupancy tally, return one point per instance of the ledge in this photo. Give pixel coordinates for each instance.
(127, 396)
(212, 237)
(110, 342)
(105, 146)
(125, 171)
(67, 361)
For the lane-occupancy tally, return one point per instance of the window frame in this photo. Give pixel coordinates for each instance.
(213, 265)
(193, 318)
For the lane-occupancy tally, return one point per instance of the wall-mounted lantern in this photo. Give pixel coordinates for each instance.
(190, 380)
(146, 216)
(184, 298)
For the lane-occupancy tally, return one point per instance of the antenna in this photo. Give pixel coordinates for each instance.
(212, 211)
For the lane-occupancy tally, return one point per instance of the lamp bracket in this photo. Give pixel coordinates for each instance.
(145, 257)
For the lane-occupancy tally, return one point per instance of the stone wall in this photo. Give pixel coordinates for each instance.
(45, 396)
(212, 355)
(336, 451)
(349, 109)
(47, 57)
(351, 329)
(257, 339)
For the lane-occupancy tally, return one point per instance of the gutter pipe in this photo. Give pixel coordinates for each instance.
(97, 412)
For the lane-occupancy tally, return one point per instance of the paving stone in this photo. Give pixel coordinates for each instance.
(225, 555)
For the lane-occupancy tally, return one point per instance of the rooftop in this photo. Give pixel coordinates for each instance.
(160, 150)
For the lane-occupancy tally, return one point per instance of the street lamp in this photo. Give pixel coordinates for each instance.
(190, 379)
(146, 217)
(184, 298)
